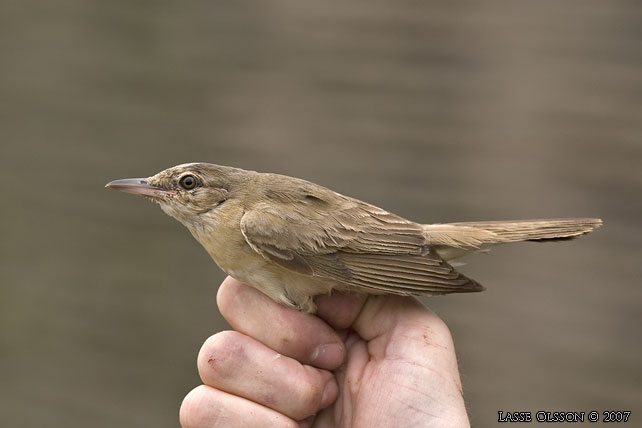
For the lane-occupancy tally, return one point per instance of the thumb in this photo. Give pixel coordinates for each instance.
(388, 317)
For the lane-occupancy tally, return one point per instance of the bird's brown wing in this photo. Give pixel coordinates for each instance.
(351, 242)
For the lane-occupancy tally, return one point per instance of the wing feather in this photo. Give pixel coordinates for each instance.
(327, 235)
(427, 275)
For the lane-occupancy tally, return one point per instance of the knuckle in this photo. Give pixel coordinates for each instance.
(225, 296)
(232, 297)
(222, 340)
(309, 396)
(440, 328)
(440, 331)
(193, 410)
(205, 406)
(432, 328)
(221, 353)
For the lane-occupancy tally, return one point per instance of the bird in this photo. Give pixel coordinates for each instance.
(293, 240)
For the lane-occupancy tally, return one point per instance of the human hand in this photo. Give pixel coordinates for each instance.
(380, 361)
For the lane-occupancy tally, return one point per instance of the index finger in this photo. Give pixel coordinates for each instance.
(303, 337)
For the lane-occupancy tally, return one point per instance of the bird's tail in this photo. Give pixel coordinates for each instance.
(471, 235)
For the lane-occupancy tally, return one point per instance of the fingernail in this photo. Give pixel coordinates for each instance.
(330, 393)
(327, 356)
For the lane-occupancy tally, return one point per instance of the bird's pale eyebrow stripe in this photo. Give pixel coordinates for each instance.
(183, 174)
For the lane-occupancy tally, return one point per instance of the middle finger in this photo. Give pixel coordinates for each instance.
(235, 363)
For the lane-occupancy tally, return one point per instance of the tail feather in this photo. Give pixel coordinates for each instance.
(475, 234)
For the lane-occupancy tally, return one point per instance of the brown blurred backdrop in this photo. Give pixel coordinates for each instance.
(438, 111)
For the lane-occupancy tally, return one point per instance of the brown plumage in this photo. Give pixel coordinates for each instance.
(293, 239)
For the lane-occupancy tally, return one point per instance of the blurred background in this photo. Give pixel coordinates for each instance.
(437, 111)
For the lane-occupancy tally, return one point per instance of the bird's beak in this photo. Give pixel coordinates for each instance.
(138, 186)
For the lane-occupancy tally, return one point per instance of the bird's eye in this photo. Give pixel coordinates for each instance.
(188, 182)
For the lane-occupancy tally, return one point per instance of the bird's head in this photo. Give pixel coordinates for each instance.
(191, 193)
